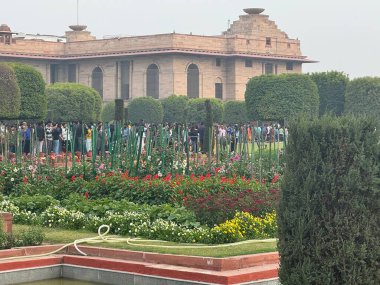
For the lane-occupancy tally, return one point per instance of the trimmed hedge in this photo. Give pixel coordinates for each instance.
(235, 112)
(108, 112)
(363, 96)
(278, 97)
(10, 97)
(145, 108)
(73, 102)
(175, 108)
(197, 111)
(32, 88)
(331, 88)
(329, 215)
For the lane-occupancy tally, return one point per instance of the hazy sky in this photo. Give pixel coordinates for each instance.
(343, 35)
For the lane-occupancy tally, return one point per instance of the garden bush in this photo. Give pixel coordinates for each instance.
(363, 97)
(147, 109)
(32, 88)
(10, 97)
(175, 109)
(31, 237)
(278, 97)
(73, 102)
(329, 208)
(108, 112)
(196, 112)
(331, 89)
(235, 112)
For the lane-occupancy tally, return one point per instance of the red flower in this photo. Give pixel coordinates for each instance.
(275, 178)
(25, 180)
(86, 195)
(73, 178)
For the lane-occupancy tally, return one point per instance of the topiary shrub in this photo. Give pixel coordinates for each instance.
(175, 109)
(328, 215)
(331, 88)
(363, 96)
(196, 111)
(32, 88)
(72, 101)
(235, 112)
(10, 97)
(278, 97)
(145, 108)
(108, 112)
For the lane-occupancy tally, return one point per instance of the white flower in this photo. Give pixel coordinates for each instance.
(12, 179)
(15, 170)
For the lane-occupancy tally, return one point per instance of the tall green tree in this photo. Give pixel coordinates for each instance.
(10, 97)
(363, 96)
(145, 108)
(329, 214)
(32, 88)
(275, 97)
(331, 89)
(72, 101)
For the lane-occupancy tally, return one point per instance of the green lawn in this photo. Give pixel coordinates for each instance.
(60, 236)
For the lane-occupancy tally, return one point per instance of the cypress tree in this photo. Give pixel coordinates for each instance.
(329, 209)
(208, 127)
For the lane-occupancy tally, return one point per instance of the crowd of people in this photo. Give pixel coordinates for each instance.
(87, 137)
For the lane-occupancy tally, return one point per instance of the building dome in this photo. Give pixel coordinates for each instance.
(4, 28)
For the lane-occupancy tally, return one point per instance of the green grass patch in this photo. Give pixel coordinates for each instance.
(61, 236)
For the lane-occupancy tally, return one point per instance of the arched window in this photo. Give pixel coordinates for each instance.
(153, 81)
(193, 81)
(97, 80)
(218, 88)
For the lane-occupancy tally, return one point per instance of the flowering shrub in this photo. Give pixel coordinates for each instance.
(19, 216)
(245, 226)
(56, 216)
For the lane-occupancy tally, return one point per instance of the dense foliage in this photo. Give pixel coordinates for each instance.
(235, 112)
(275, 97)
(175, 108)
(32, 88)
(363, 96)
(108, 112)
(145, 108)
(9, 93)
(72, 101)
(331, 88)
(197, 111)
(329, 209)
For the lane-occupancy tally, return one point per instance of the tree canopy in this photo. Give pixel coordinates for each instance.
(10, 97)
(145, 108)
(278, 97)
(331, 89)
(73, 102)
(32, 88)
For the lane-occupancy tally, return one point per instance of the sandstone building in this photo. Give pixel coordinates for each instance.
(163, 64)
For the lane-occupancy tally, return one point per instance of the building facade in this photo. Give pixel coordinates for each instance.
(164, 64)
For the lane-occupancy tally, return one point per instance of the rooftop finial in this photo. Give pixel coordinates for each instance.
(253, 11)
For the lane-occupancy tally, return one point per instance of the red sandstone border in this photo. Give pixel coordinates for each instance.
(206, 263)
